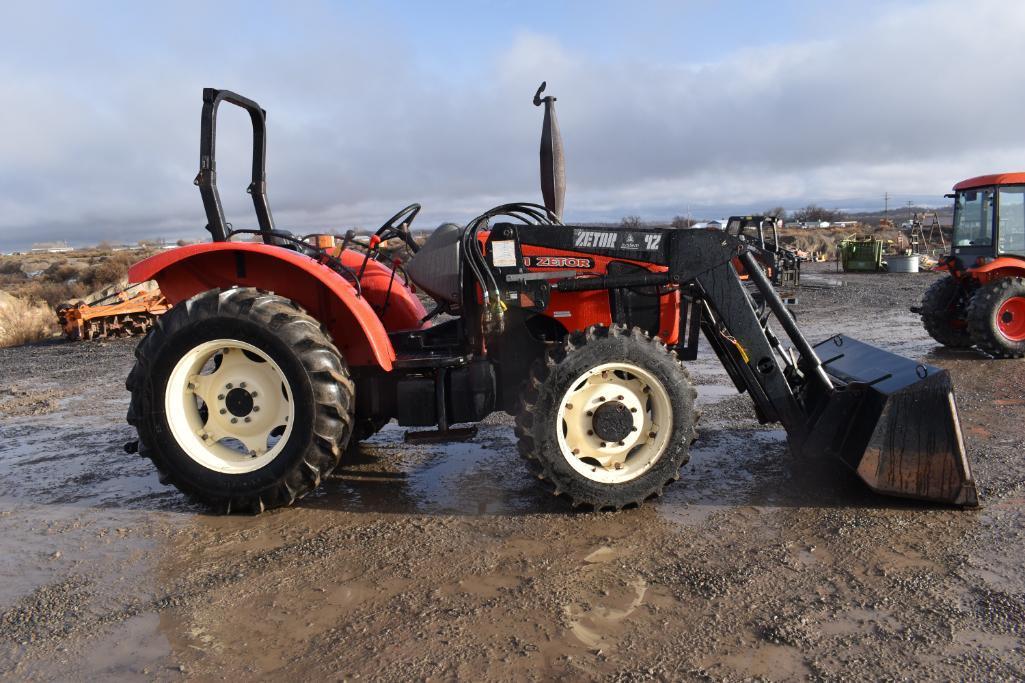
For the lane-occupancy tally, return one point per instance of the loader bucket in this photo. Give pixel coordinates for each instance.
(894, 422)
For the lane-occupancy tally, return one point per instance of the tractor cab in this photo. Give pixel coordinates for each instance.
(989, 218)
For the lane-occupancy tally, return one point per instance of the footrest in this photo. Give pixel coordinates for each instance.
(419, 362)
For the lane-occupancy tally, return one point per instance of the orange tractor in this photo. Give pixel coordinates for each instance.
(982, 301)
(276, 356)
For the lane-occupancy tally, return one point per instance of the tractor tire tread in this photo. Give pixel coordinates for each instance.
(982, 323)
(615, 497)
(333, 393)
(936, 318)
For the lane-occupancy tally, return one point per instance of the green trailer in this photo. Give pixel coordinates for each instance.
(861, 254)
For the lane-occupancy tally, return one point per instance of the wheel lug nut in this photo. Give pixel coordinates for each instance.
(633, 429)
(590, 433)
(248, 419)
(234, 420)
(633, 410)
(253, 394)
(600, 399)
(242, 384)
(220, 397)
(601, 445)
(256, 409)
(590, 413)
(651, 435)
(223, 411)
(569, 406)
(619, 398)
(229, 385)
(576, 451)
(622, 443)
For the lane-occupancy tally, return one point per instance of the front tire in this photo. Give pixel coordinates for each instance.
(607, 418)
(240, 400)
(943, 313)
(996, 318)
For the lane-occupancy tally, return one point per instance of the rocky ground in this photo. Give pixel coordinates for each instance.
(449, 561)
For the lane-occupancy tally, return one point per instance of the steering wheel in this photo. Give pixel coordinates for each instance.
(398, 226)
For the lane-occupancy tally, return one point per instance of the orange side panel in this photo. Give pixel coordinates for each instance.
(579, 310)
(351, 319)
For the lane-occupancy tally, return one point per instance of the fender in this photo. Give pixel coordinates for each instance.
(1000, 267)
(354, 325)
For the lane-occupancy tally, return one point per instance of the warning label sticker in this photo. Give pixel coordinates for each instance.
(503, 253)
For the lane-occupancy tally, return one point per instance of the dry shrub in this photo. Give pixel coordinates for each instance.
(22, 322)
(10, 266)
(61, 271)
(110, 270)
(52, 293)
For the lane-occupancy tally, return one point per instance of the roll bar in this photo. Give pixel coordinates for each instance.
(206, 179)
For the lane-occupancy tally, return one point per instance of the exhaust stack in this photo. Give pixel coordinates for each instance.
(553, 161)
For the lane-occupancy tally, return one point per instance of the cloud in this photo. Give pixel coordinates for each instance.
(101, 133)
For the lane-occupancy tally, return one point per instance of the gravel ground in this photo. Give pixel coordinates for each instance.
(447, 561)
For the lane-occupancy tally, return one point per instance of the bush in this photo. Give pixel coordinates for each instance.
(10, 267)
(61, 271)
(52, 293)
(109, 271)
(22, 322)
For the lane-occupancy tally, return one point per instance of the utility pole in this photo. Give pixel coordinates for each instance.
(886, 205)
(910, 217)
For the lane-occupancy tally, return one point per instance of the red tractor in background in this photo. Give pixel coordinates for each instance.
(982, 302)
(278, 355)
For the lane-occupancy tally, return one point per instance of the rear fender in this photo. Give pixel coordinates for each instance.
(354, 325)
(998, 268)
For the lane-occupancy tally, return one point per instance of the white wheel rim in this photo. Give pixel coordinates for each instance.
(249, 406)
(650, 414)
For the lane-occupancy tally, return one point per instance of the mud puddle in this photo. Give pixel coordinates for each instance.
(450, 561)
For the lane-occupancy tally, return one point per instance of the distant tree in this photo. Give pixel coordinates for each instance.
(682, 222)
(632, 222)
(104, 246)
(814, 212)
(777, 211)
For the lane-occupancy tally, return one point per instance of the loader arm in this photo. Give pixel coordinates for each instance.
(891, 419)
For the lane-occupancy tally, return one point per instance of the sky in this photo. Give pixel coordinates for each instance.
(666, 108)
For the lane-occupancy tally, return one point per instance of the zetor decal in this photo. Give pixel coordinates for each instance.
(630, 241)
(594, 238)
(557, 262)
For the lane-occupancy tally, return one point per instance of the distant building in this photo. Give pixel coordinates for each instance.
(51, 248)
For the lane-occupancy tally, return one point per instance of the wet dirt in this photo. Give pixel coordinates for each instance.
(449, 561)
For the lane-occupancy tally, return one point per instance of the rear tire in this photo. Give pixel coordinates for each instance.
(943, 313)
(607, 418)
(201, 419)
(996, 318)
